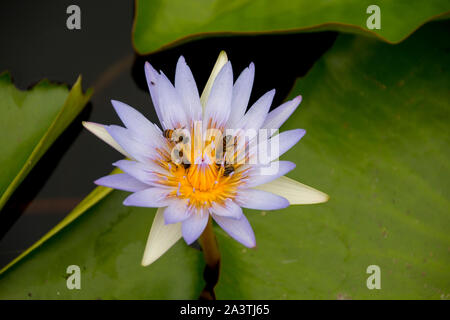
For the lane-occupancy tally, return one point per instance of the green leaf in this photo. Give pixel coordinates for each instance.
(378, 143)
(162, 23)
(31, 121)
(107, 243)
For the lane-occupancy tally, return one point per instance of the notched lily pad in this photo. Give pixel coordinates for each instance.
(163, 23)
(30, 122)
(378, 143)
(107, 242)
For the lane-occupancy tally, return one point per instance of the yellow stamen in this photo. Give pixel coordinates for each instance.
(203, 182)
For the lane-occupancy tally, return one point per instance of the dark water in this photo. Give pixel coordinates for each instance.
(36, 44)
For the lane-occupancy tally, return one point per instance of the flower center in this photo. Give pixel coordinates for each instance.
(203, 182)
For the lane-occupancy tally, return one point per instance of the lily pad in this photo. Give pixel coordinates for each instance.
(31, 121)
(162, 23)
(376, 117)
(107, 242)
(378, 143)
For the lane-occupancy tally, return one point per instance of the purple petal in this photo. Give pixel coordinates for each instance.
(240, 229)
(279, 115)
(152, 77)
(193, 227)
(170, 104)
(187, 89)
(229, 209)
(261, 200)
(125, 139)
(241, 95)
(101, 132)
(219, 101)
(121, 181)
(261, 174)
(256, 115)
(176, 211)
(285, 141)
(152, 198)
(138, 125)
(130, 116)
(145, 173)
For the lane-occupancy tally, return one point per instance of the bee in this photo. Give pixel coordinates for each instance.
(229, 169)
(228, 142)
(186, 165)
(225, 141)
(179, 154)
(169, 134)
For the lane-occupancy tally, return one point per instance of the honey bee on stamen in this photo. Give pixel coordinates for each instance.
(229, 169)
(168, 134)
(225, 141)
(180, 161)
(186, 165)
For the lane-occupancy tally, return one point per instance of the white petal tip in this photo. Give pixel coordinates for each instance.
(311, 196)
(223, 56)
(220, 62)
(314, 197)
(160, 239)
(92, 126)
(294, 191)
(146, 261)
(324, 197)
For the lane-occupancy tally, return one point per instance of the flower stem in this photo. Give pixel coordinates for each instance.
(211, 254)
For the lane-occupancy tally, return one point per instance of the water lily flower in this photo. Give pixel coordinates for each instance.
(180, 168)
